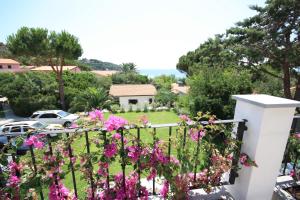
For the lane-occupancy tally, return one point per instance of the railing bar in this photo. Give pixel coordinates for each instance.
(295, 163)
(51, 153)
(122, 154)
(90, 163)
(153, 180)
(184, 137)
(107, 170)
(72, 168)
(81, 130)
(169, 148)
(239, 136)
(139, 162)
(34, 166)
(196, 155)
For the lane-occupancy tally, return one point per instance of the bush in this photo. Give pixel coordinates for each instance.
(122, 110)
(146, 108)
(138, 110)
(115, 108)
(211, 90)
(130, 108)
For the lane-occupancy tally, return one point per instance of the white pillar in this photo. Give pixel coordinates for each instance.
(269, 122)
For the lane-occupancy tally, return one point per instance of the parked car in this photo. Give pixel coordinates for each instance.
(20, 128)
(54, 117)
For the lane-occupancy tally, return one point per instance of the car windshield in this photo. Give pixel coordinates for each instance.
(39, 125)
(63, 113)
(34, 115)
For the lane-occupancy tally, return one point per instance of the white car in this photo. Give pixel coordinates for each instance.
(54, 117)
(22, 127)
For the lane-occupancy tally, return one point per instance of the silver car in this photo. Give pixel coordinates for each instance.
(55, 117)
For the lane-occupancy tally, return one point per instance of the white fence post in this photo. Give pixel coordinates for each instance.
(269, 122)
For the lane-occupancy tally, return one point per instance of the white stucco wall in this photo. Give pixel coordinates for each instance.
(142, 100)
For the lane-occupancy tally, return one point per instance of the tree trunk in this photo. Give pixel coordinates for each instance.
(287, 81)
(297, 90)
(61, 91)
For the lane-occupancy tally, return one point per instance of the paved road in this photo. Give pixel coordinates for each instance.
(9, 115)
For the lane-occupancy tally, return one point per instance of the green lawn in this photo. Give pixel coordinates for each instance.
(146, 136)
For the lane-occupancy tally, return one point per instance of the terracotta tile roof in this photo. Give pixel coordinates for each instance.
(175, 88)
(8, 61)
(104, 72)
(48, 68)
(132, 90)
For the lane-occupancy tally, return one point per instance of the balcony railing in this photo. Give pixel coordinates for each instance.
(239, 128)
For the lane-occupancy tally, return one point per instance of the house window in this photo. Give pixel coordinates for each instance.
(1, 67)
(150, 100)
(132, 101)
(9, 66)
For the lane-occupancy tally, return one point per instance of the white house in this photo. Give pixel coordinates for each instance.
(133, 95)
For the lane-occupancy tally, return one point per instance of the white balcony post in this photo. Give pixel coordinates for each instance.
(269, 122)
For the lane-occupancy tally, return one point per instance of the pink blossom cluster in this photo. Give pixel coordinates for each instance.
(115, 123)
(133, 152)
(96, 115)
(110, 150)
(184, 118)
(60, 192)
(144, 120)
(165, 189)
(196, 134)
(103, 166)
(34, 140)
(13, 180)
(246, 161)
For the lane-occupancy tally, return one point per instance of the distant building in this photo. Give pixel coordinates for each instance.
(133, 95)
(105, 72)
(9, 65)
(49, 68)
(177, 89)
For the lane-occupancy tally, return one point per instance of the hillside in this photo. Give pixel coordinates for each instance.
(100, 65)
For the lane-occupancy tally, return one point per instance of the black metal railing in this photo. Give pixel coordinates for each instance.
(240, 129)
(291, 159)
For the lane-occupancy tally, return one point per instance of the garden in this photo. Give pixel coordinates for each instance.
(106, 157)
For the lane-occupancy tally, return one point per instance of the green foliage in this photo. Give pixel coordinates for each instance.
(211, 90)
(128, 68)
(100, 65)
(164, 81)
(146, 108)
(33, 91)
(91, 98)
(138, 109)
(115, 108)
(29, 92)
(130, 108)
(165, 97)
(129, 78)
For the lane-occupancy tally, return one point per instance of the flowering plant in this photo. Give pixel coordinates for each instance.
(246, 161)
(203, 154)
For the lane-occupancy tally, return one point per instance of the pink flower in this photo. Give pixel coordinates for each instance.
(133, 153)
(297, 135)
(194, 133)
(174, 160)
(74, 125)
(13, 181)
(110, 150)
(184, 118)
(144, 120)
(33, 140)
(165, 189)
(115, 123)
(292, 173)
(116, 136)
(152, 174)
(102, 171)
(59, 192)
(118, 177)
(96, 115)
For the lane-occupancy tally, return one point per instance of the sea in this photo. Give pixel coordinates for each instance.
(157, 72)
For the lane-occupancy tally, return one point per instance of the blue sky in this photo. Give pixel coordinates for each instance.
(152, 34)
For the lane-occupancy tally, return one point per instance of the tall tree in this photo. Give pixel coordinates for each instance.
(271, 38)
(51, 47)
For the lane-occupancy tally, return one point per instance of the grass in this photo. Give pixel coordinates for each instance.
(79, 146)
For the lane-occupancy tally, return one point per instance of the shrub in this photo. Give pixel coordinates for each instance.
(130, 108)
(122, 110)
(138, 109)
(146, 108)
(115, 108)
